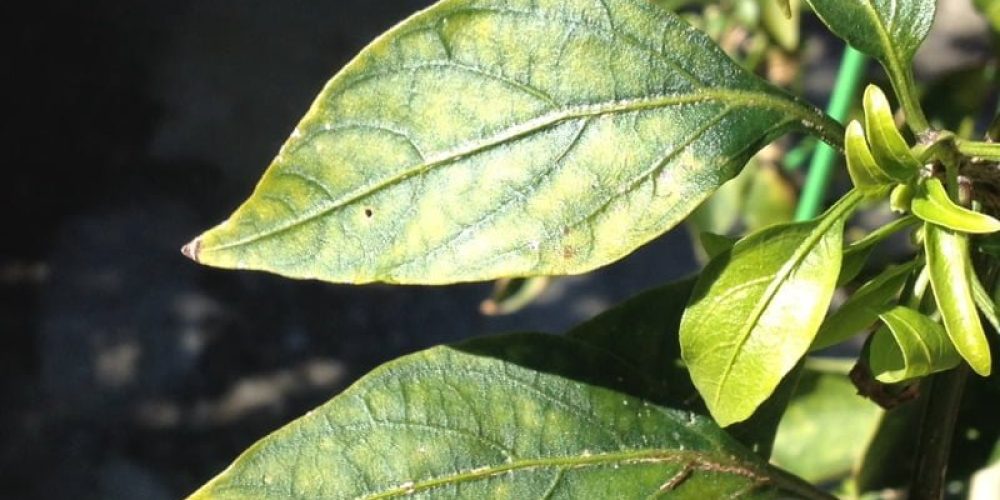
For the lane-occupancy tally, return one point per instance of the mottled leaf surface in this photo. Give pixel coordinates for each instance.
(490, 138)
(520, 416)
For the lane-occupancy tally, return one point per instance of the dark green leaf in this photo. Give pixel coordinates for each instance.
(948, 261)
(887, 144)
(864, 307)
(825, 428)
(715, 245)
(499, 138)
(933, 205)
(522, 416)
(756, 310)
(910, 345)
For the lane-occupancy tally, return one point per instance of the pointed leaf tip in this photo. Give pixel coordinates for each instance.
(192, 249)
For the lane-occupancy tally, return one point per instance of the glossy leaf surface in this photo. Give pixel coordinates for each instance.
(864, 307)
(910, 345)
(756, 310)
(499, 138)
(519, 416)
(948, 260)
(888, 30)
(933, 205)
(887, 144)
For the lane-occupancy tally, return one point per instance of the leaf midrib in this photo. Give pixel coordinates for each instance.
(736, 98)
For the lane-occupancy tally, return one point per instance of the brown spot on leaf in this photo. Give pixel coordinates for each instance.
(369, 213)
(192, 249)
(568, 252)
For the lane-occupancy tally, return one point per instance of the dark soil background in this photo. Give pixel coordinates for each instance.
(127, 371)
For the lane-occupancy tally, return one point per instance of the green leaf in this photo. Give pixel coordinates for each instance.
(933, 205)
(824, 430)
(864, 307)
(519, 416)
(782, 19)
(510, 295)
(716, 244)
(755, 311)
(901, 198)
(888, 30)
(866, 174)
(948, 261)
(991, 10)
(856, 254)
(983, 300)
(910, 346)
(887, 144)
(770, 199)
(501, 138)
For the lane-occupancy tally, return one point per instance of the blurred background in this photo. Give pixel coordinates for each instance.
(128, 371)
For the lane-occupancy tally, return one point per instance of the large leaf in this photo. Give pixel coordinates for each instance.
(756, 309)
(824, 431)
(520, 416)
(489, 138)
(948, 261)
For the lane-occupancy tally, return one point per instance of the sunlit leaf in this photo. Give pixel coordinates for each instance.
(782, 20)
(887, 144)
(933, 205)
(948, 260)
(910, 345)
(500, 138)
(756, 310)
(866, 174)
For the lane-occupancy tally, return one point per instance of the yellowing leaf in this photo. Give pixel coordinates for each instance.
(500, 138)
(755, 311)
(887, 144)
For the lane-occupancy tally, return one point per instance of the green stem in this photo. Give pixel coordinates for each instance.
(852, 71)
(906, 91)
(985, 150)
(937, 430)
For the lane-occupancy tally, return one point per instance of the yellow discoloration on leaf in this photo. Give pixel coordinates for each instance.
(459, 145)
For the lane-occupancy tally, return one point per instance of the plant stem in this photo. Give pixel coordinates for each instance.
(936, 432)
(906, 91)
(852, 70)
(985, 150)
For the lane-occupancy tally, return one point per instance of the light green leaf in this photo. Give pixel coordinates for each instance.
(510, 295)
(933, 205)
(991, 10)
(824, 431)
(782, 20)
(500, 138)
(948, 261)
(910, 346)
(856, 254)
(901, 198)
(983, 300)
(866, 174)
(864, 307)
(756, 310)
(887, 144)
(518, 416)
(770, 199)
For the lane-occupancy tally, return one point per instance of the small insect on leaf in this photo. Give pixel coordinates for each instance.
(933, 205)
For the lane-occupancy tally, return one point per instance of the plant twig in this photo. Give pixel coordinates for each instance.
(936, 431)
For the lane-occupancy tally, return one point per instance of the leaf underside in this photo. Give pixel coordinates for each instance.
(519, 416)
(489, 138)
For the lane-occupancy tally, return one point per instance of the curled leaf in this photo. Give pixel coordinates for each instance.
(865, 172)
(933, 205)
(910, 345)
(887, 144)
(948, 260)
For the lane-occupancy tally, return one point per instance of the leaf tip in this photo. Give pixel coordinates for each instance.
(192, 249)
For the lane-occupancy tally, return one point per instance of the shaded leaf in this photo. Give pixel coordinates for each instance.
(770, 199)
(909, 346)
(519, 416)
(715, 245)
(501, 138)
(510, 295)
(756, 310)
(825, 428)
(782, 20)
(948, 260)
(864, 307)
(856, 254)
(987, 306)
(933, 205)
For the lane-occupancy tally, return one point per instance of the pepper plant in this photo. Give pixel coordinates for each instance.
(488, 139)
